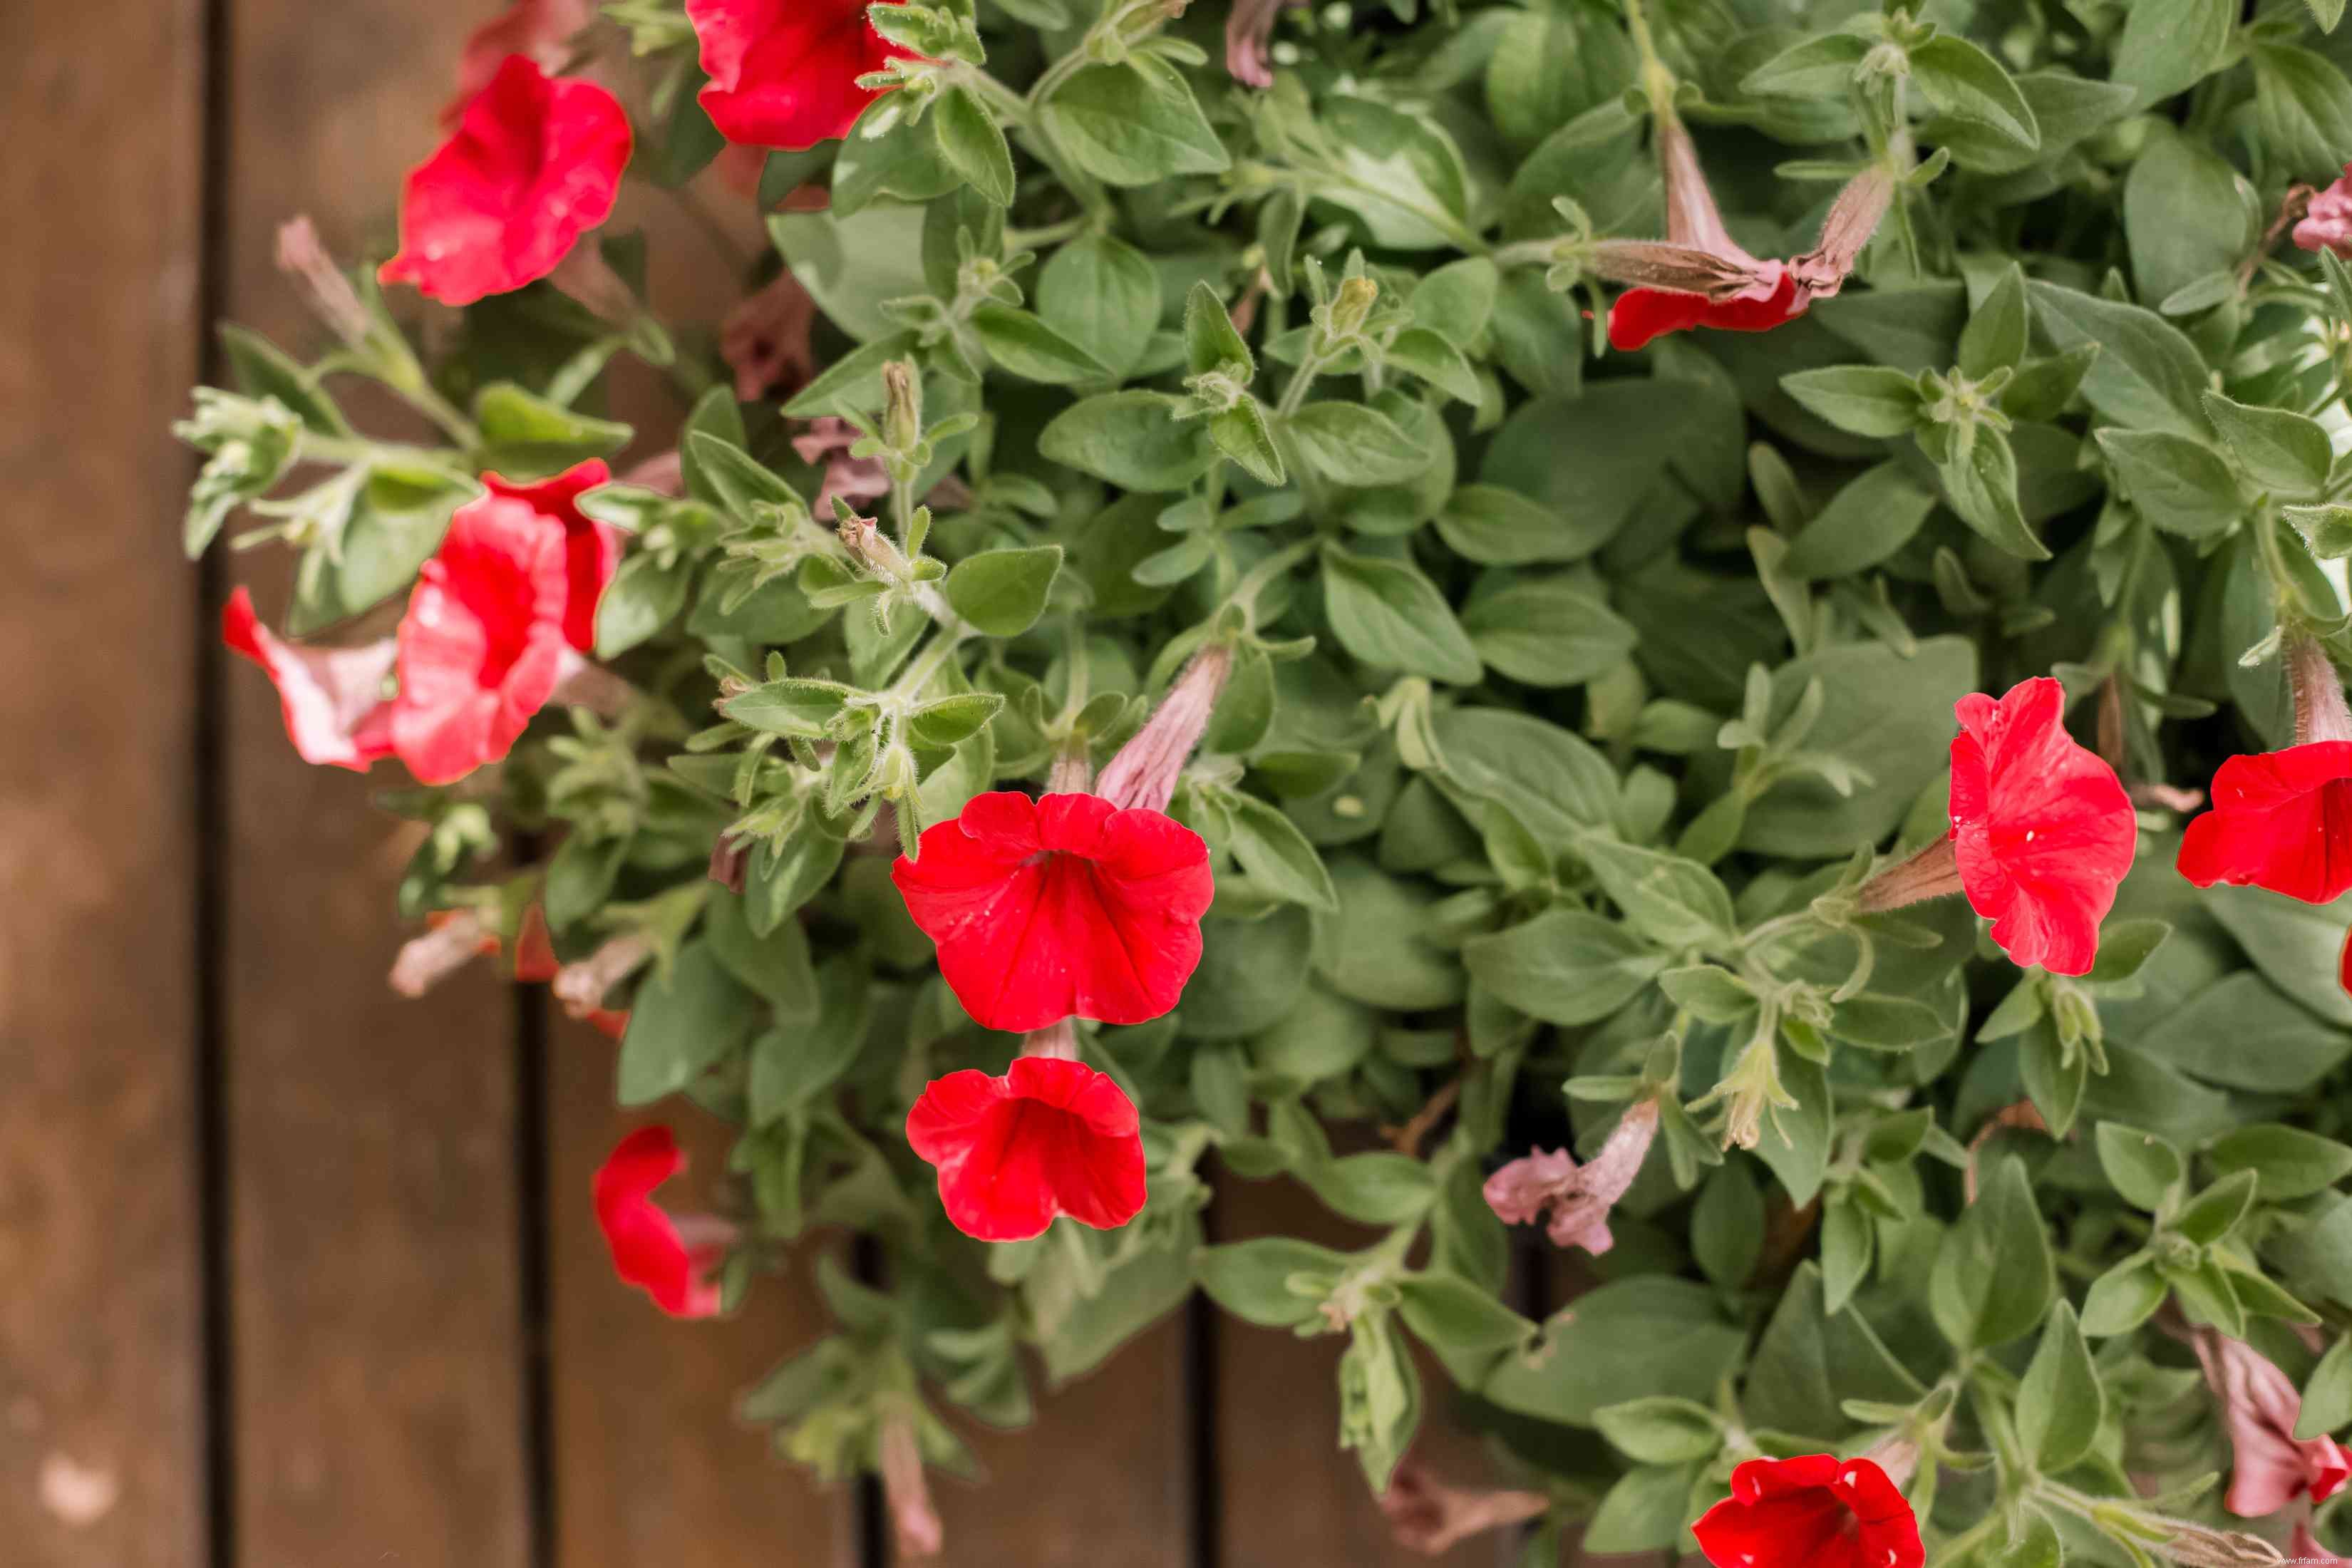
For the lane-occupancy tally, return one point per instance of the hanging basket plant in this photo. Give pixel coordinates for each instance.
(1698, 639)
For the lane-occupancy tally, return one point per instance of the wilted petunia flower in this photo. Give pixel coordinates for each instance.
(2326, 223)
(2259, 1410)
(1814, 1512)
(2042, 833)
(1699, 276)
(1430, 1517)
(2282, 820)
(765, 341)
(784, 73)
(649, 1249)
(1248, 25)
(535, 163)
(1579, 1197)
(1051, 1137)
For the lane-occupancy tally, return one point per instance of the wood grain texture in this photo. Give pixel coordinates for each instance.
(1104, 1476)
(377, 1336)
(651, 1464)
(100, 1338)
(1290, 1496)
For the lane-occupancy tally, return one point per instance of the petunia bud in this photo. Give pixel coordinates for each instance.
(2320, 712)
(1351, 305)
(301, 256)
(913, 1520)
(902, 405)
(454, 939)
(1144, 772)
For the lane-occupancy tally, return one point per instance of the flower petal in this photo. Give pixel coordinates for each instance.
(1642, 315)
(648, 1249)
(1051, 1137)
(534, 164)
(336, 713)
(591, 550)
(2041, 829)
(1812, 1511)
(2281, 820)
(1060, 908)
(784, 73)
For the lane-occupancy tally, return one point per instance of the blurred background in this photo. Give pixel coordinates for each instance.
(293, 1272)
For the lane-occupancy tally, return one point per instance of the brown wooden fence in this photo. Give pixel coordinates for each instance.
(293, 1273)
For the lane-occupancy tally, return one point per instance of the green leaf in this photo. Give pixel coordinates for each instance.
(795, 706)
(524, 436)
(1133, 125)
(1210, 343)
(681, 1024)
(2327, 1394)
(2124, 1298)
(643, 597)
(2282, 450)
(261, 370)
(2304, 106)
(1391, 617)
(1644, 1336)
(1103, 295)
(737, 481)
(1674, 902)
(1275, 855)
(1430, 356)
(1810, 1361)
(2215, 1211)
(2170, 44)
(1982, 488)
(1565, 966)
(1273, 1281)
(1458, 1317)
(1864, 400)
(1002, 592)
(973, 143)
(2140, 1166)
(2148, 375)
(1131, 438)
(2241, 1033)
(1962, 80)
(1373, 1189)
(1353, 445)
(791, 1066)
(773, 963)
(2286, 1161)
(2000, 329)
(1661, 1430)
(1994, 1277)
(1498, 527)
(1242, 434)
(2181, 486)
(2059, 1403)
(852, 384)
(1547, 632)
(952, 720)
(1846, 1249)
(1023, 344)
(1874, 516)
(2327, 530)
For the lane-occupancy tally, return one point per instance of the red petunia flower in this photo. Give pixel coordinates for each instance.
(542, 30)
(1066, 905)
(1700, 277)
(483, 642)
(1816, 1511)
(2041, 826)
(336, 711)
(649, 1250)
(2281, 820)
(535, 163)
(591, 550)
(1051, 1137)
(784, 73)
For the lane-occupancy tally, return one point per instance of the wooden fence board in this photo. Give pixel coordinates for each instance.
(378, 1384)
(100, 1338)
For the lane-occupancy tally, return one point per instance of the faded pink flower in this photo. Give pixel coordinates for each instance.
(766, 339)
(2259, 1410)
(2326, 223)
(453, 939)
(1248, 25)
(913, 1520)
(827, 441)
(1579, 1197)
(1428, 1516)
(1145, 771)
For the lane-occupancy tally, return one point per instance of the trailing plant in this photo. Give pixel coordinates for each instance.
(1615, 617)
